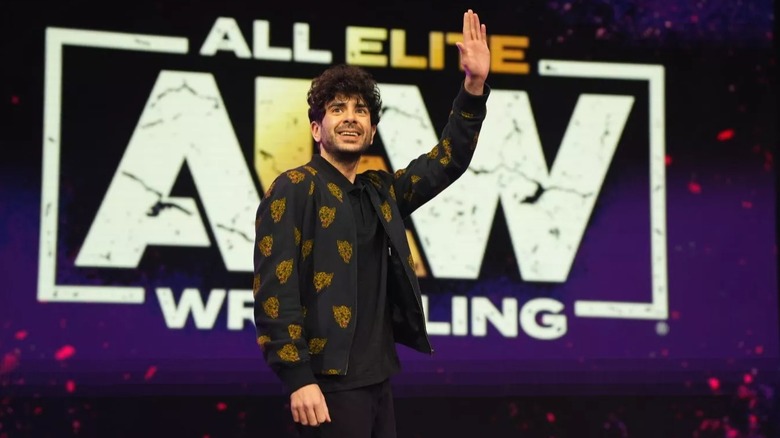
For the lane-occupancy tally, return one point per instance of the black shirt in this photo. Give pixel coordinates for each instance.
(372, 357)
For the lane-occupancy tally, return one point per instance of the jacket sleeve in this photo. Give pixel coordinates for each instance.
(427, 175)
(277, 305)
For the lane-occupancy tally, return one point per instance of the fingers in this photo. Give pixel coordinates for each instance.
(308, 406)
(474, 26)
(321, 412)
(466, 25)
(311, 417)
(472, 29)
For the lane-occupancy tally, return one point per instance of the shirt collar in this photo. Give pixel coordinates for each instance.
(331, 173)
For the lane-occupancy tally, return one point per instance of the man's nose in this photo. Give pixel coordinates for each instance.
(350, 115)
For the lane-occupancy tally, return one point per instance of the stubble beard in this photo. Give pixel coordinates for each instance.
(345, 156)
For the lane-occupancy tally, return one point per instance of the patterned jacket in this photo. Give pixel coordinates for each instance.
(305, 275)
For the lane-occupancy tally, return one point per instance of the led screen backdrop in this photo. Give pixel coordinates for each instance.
(616, 227)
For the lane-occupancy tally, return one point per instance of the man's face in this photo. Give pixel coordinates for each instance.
(345, 130)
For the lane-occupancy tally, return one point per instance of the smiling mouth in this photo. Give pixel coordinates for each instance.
(349, 133)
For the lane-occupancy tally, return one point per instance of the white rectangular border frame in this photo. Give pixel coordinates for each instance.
(658, 308)
(56, 39)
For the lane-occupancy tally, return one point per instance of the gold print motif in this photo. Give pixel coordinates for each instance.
(271, 307)
(257, 223)
(256, 285)
(297, 236)
(294, 330)
(304, 311)
(335, 191)
(415, 179)
(283, 270)
(277, 209)
(296, 176)
(466, 115)
(327, 215)
(306, 248)
(408, 196)
(399, 173)
(311, 170)
(331, 372)
(392, 192)
(434, 152)
(342, 315)
(410, 260)
(265, 245)
(311, 188)
(375, 180)
(288, 353)
(345, 250)
(386, 212)
(322, 280)
(445, 160)
(316, 345)
(262, 340)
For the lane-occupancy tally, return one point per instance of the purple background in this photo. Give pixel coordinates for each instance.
(721, 222)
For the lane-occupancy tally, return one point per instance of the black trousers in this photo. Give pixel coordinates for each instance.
(365, 412)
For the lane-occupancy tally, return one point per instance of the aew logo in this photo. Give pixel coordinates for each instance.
(185, 122)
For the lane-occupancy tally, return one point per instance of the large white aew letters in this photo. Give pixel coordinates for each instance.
(185, 122)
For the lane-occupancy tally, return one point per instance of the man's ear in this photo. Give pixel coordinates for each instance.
(373, 133)
(316, 133)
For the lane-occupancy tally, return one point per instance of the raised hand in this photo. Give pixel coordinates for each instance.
(474, 53)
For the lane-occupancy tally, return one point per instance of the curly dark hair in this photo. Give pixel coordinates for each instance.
(343, 79)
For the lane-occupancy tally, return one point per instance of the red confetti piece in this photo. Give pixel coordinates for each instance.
(714, 383)
(65, 352)
(9, 363)
(668, 160)
(150, 372)
(675, 314)
(747, 204)
(221, 406)
(694, 187)
(748, 379)
(21, 335)
(15, 100)
(759, 349)
(38, 410)
(70, 386)
(726, 134)
(550, 417)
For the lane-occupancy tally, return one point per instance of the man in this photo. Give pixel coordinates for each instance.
(334, 282)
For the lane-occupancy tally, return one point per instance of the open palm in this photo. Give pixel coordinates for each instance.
(474, 52)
